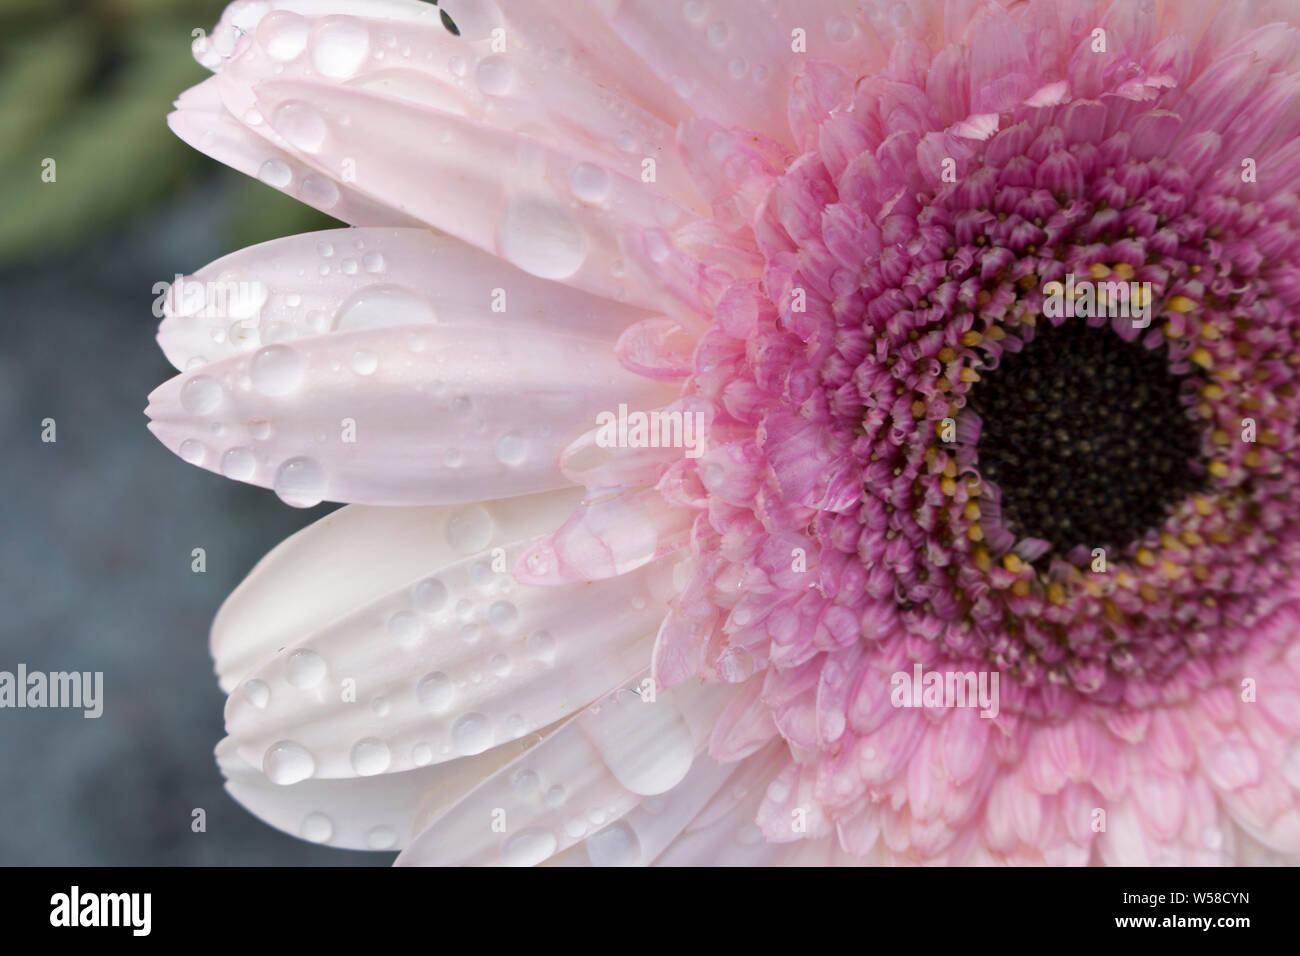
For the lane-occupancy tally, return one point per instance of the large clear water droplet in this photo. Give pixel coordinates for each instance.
(540, 238)
(288, 762)
(300, 482)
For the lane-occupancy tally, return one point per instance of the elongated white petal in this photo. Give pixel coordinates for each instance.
(346, 279)
(449, 665)
(396, 415)
(357, 555)
(589, 773)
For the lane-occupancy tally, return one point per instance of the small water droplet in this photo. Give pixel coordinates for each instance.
(528, 847)
(429, 595)
(406, 628)
(306, 669)
(615, 845)
(370, 756)
(317, 828)
(301, 126)
(435, 692)
(238, 464)
(495, 76)
(275, 172)
(283, 35)
(469, 530)
(201, 395)
(381, 838)
(511, 449)
(364, 362)
(320, 191)
(300, 482)
(277, 370)
(471, 734)
(340, 46)
(538, 237)
(540, 645)
(383, 305)
(257, 694)
(193, 451)
(287, 762)
(589, 183)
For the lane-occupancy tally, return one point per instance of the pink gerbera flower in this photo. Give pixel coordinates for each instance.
(787, 432)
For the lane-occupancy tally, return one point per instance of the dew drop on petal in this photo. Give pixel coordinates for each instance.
(528, 847)
(317, 828)
(301, 126)
(300, 483)
(469, 530)
(364, 362)
(405, 628)
(647, 747)
(381, 838)
(275, 172)
(495, 76)
(435, 692)
(306, 669)
(277, 370)
(340, 47)
(511, 449)
(257, 693)
(471, 734)
(201, 395)
(538, 237)
(283, 34)
(320, 191)
(383, 305)
(287, 762)
(540, 646)
(370, 756)
(429, 595)
(615, 845)
(193, 451)
(238, 464)
(589, 183)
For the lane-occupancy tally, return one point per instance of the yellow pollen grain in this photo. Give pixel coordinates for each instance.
(1200, 572)
(1145, 557)
(1011, 561)
(975, 533)
(918, 409)
(1213, 391)
(1099, 271)
(1220, 437)
(1218, 469)
(1180, 303)
(947, 354)
(969, 375)
(1191, 538)
(971, 339)
(1172, 571)
(996, 333)
(981, 556)
(1171, 332)
(948, 487)
(1021, 587)
(1268, 438)
(1124, 270)
(1253, 459)
(971, 511)
(950, 469)
(1056, 593)
(1205, 410)
(1202, 357)
(1172, 543)
(1114, 614)
(1149, 594)
(1204, 506)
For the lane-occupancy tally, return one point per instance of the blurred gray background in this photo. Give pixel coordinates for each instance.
(96, 529)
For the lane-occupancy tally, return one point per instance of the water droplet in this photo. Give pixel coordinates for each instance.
(500, 665)
(511, 449)
(435, 692)
(380, 706)
(340, 46)
(277, 370)
(615, 845)
(538, 237)
(647, 747)
(370, 756)
(238, 464)
(193, 451)
(717, 33)
(283, 35)
(452, 458)
(320, 191)
(528, 847)
(287, 762)
(306, 669)
(495, 76)
(469, 530)
(364, 362)
(275, 172)
(429, 595)
(373, 262)
(556, 795)
(405, 628)
(383, 305)
(540, 646)
(201, 395)
(257, 694)
(261, 430)
(503, 616)
(526, 784)
(300, 482)
(471, 734)
(301, 126)
(381, 838)
(326, 249)
(422, 755)
(317, 828)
